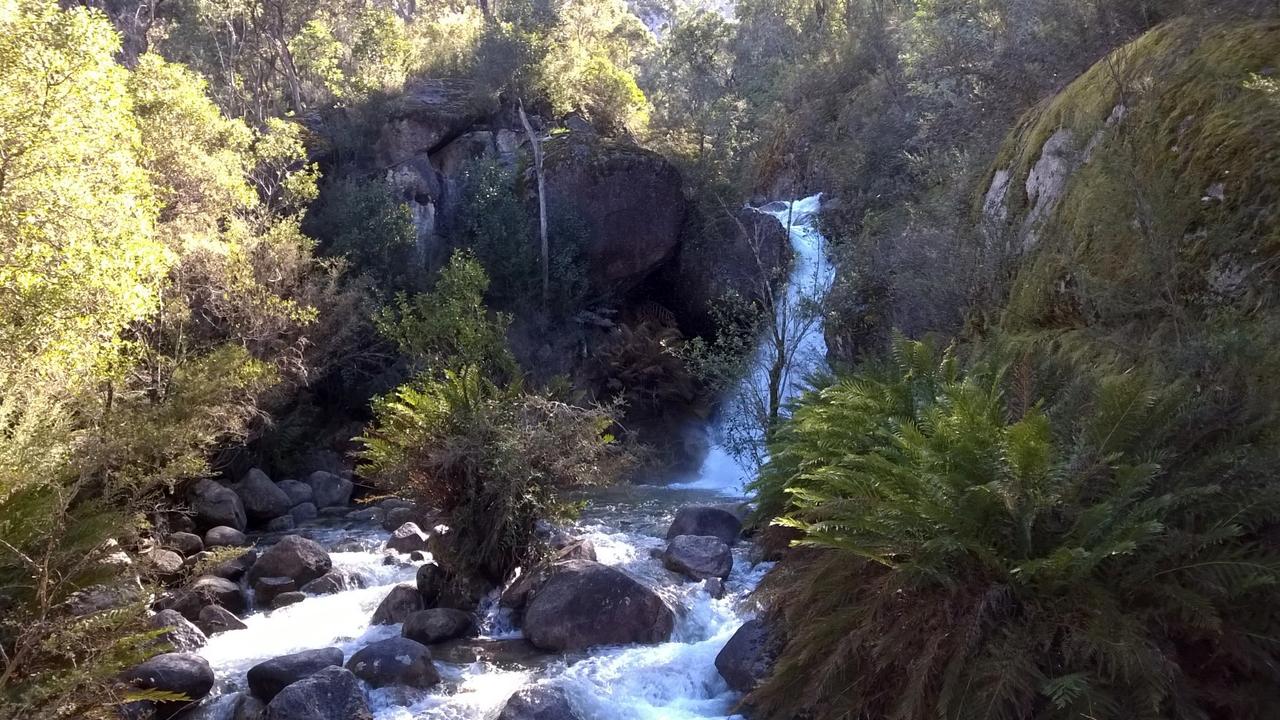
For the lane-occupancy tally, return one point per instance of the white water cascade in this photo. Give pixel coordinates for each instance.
(675, 680)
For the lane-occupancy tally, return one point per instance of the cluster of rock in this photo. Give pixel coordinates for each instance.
(258, 501)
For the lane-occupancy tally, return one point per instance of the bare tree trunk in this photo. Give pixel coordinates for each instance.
(536, 144)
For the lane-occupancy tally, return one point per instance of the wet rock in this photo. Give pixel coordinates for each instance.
(185, 543)
(204, 591)
(262, 498)
(267, 679)
(285, 599)
(350, 545)
(225, 707)
(438, 625)
(293, 557)
(698, 557)
(334, 581)
(706, 520)
(517, 595)
(538, 702)
(581, 549)
(284, 523)
(395, 661)
(747, 658)
(510, 654)
(249, 708)
(584, 604)
(214, 504)
(400, 603)
(335, 512)
(329, 490)
(714, 587)
(224, 536)
(392, 503)
(330, 694)
(303, 512)
(213, 620)
(298, 492)
(180, 633)
(183, 673)
(397, 516)
(369, 515)
(431, 582)
(266, 589)
(235, 568)
(407, 538)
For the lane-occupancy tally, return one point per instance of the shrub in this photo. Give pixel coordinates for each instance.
(969, 560)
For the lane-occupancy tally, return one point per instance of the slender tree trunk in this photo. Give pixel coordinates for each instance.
(542, 203)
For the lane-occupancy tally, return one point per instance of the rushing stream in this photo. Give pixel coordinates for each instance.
(675, 680)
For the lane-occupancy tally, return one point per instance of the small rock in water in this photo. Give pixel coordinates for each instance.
(293, 557)
(698, 557)
(204, 591)
(430, 581)
(180, 632)
(214, 620)
(287, 598)
(266, 589)
(396, 516)
(331, 694)
(706, 520)
(581, 549)
(538, 702)
(400, 603)
(584, 604)
(267, 679)
(334, 581)
(407, 538)
(437, 625)
(235, 568)
(224, 536)
(714, 587)
(418, 556)
(747, 658)
(284, 523)
(365, 515)
(349, 545)
(395, 661)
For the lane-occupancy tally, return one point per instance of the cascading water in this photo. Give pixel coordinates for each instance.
(676, 680)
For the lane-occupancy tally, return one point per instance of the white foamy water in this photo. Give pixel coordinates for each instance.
(675, 680)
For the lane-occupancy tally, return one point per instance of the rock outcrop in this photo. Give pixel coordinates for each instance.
(584, 604)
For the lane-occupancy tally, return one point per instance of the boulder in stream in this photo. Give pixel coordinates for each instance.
(583, 604)
(747, 658)
(285, 599)
(267, 679)
(224, 536)
(204, 591)
(214, 504)
(407, 538)
(266, 589)
(332, 582)
(431, 582)
(184, 673)
(298, 492)
(706, 520)
(213, 620)
(400, 603)
(698, 557)
(180, 632)
(395, 661)
(302, 512)
(538, 702)
(262, 498)
(330, 694)
(329, 490)
(293, 557)
(437, 625)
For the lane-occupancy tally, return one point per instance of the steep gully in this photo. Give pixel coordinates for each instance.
(669, 681)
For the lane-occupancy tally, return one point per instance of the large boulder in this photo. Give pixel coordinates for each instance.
(407, 538)
(706, 520)
(538, 702)
(224, 536)
(186, 543)
(332, 582)
(437, 625)
(262, 498)
(303, 512)
(166, 563)
(584, 604)
(395, 661)
(629, 200)
(298, 492)
(430, 113)
(293, 557)
(698, 557)
(236, 567)
(204, 591)
(329, 490)
(431, 582)
(266, 589)
(331, 694)
(400, 603)
(213, 620)
(179, 632)
(267, 679)
(747, 658)
(214, 504)
(184, 673)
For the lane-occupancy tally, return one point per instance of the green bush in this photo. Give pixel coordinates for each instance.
(972, 554)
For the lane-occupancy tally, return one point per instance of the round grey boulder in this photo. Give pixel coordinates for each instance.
(298, 492)
(266, 589)
(204, 591)
(747, 658)
(698, 557)
(329, 490)
(331, 694)
(584, 604)
(214, 620)
(438, 625)
(224, 536)
(332, 582)
(284, 523)
(267, 679)
(262, 499)
(538, 702)
(408, 538)
(214, 504)
(184, 673)
(706, 520)
(400, 603)
(431, 582)
(167, 563)
(186, 543)
(303, 512)
(285, 599)
(293, 557)
(395, 661)
(179, 632)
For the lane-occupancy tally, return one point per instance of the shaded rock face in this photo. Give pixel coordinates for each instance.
(538, 702)
(438, 625)
(205, 591)
(303, 512)
(179, 631)
(285, 599)
(214, 504)
(262, 498)
(407, 538)
(630, 202)
(184, 542)
(173, 672)
(706, 520)
(334, 581)
(267, 679)
(747, 658)
(584, 604)
(224, 536)
(236, 568)
(430, 113)
(298, 492)
(293, 557)
(400, 603)
(698, 557)
(395, 661)
(331, 694)
(213, 620)
(266, 589)
(430, 580)
(329, 490)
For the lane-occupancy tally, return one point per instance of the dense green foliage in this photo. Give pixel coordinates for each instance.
(978, 555)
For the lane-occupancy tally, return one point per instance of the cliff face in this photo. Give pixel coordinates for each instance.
(1144, 198)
